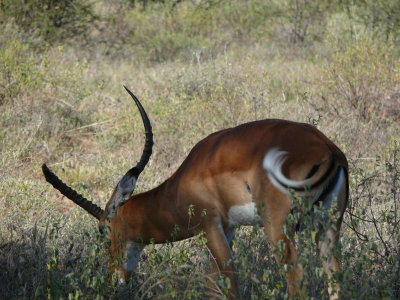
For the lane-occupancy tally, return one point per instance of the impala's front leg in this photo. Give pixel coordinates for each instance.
(222, 257)
(125, 258)
(130, 260)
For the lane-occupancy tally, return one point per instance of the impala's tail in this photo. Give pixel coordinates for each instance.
(322, 185)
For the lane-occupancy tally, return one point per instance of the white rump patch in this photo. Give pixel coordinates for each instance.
(273, 162)
(244, 215)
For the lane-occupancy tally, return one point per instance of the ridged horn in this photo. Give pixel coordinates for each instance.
(70, 193)
(148, 146)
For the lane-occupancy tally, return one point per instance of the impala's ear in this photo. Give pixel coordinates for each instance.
(127, 185)
(125, 188)
(122, 193)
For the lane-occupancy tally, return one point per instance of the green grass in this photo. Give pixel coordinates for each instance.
(197, 66)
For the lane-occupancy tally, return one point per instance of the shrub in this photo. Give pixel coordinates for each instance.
(373, 228)
(304, 20)
(381, 17)
(54, 20)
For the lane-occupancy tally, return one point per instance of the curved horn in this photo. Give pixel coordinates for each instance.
(147, 150)
(70, 193)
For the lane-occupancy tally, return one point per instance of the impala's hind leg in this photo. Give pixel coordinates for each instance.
(334, 198)
(285, 253)
(327, 244)
(274, 214)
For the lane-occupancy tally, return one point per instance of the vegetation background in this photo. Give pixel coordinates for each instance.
(198, 66)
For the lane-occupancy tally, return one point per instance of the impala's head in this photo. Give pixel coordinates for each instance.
(125, 187)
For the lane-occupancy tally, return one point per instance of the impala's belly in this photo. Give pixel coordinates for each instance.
(244, 215)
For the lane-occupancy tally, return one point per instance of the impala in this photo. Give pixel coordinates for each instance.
(245, 175)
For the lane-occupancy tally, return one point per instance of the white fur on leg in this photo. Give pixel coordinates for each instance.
(131, 259)
(132, 255)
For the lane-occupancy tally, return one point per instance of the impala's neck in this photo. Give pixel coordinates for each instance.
(154, 216)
